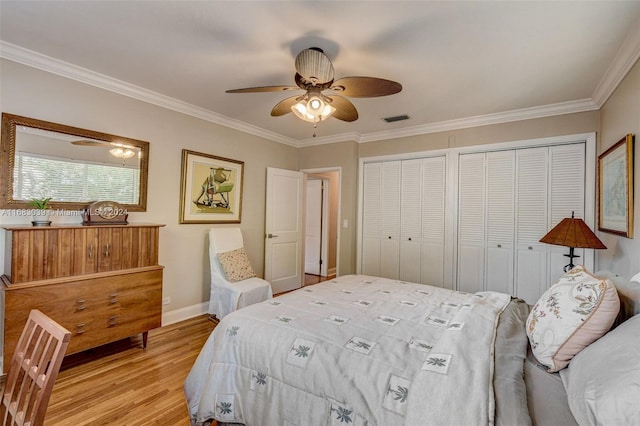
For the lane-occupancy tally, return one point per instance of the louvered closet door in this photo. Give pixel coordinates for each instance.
(471, 222)
(433, 220)
(500, 220)
(531, 222)
(371, 219)
(411, 221)
(390, 220)
(567, 175)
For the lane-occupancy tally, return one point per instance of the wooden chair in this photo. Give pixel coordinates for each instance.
(33, 371)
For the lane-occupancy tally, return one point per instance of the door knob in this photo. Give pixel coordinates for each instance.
(271, 236)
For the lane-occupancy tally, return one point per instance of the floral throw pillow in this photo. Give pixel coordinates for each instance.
(235, 265)
(576, 311)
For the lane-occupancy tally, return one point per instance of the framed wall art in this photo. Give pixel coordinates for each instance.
(615, 188)
(211, 188)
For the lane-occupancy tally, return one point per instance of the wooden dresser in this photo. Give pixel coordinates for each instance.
(103, 283)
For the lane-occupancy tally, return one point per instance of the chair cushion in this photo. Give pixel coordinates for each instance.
(236, 265)
(570, 315)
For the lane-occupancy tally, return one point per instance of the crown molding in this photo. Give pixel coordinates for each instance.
(625, 59)
(462, 123)
(37, 60)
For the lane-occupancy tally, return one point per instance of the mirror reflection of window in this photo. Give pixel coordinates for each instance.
(73, 169)
(66, 180)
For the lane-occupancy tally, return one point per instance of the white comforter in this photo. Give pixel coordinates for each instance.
(357, 350)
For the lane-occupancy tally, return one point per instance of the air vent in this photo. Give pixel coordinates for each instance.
(396, 118)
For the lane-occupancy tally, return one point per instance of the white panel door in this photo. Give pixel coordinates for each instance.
(390, 220)
(313, 227)
(471, 222)
(283, 227)
(433, 220)
(500, 220)
(411, 221)
(371, 219)
(531, 222)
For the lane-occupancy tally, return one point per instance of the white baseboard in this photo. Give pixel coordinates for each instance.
(185, 313)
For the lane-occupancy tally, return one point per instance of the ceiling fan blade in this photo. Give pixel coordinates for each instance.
(284, 106)
(263, 89)
(87, 142)
(345, 110)
(365, 87)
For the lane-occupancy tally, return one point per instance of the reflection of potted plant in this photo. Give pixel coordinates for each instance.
(40, 212)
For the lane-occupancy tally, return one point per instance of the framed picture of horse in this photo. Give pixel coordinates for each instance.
(211, 188)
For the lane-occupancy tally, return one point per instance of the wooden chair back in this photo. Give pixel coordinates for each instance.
(33, 371)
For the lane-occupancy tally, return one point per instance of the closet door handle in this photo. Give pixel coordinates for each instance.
(90, 251)
(106, 250)
(499, 245)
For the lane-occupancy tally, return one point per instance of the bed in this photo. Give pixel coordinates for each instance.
(362, 350)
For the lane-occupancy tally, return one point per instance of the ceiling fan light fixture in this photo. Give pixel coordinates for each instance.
(313, 109)
(122, 153)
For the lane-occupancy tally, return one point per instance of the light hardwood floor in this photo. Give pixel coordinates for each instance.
(122, 384)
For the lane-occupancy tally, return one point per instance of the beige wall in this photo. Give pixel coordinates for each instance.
(507, 132)
(345, 156)
(183, 252)
(620, 115)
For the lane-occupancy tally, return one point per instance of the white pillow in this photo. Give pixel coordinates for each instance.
(570, 315)
(603, 381)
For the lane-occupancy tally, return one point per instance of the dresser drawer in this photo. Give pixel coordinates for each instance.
(96, 311)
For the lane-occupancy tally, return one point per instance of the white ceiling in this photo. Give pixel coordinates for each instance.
(460, 63)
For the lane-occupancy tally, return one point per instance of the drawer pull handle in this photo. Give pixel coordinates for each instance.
(81, 325)
(81, 301)
(81, 331)
(499, 245)
(113, 301)
(106, 250)
(113, 298)
(112, 321)
(81, 308)
(530, 248)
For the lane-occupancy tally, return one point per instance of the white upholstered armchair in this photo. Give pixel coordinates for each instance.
(238, 286)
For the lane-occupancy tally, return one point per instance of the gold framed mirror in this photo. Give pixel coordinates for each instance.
(72, 166)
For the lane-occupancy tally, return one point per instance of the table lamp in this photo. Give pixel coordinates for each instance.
(573, 233)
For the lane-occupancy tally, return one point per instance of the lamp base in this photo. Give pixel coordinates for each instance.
(570, 266)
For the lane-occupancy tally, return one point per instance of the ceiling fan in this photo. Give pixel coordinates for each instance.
(314, 74)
